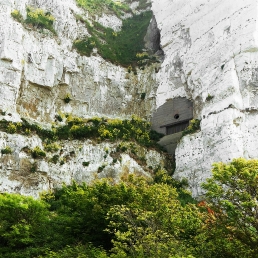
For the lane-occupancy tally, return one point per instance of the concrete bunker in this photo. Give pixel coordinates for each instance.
(171, 119)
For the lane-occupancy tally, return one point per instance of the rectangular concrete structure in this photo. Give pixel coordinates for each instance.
(171, 119)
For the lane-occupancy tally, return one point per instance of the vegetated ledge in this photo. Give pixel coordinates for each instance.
(36, 18)
(99, 129)
(125, 48)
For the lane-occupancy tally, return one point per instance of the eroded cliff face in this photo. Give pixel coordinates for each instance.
(37, 70)
(211, 58)
(211, 55)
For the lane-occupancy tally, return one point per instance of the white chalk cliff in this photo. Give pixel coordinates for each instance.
(210, 47)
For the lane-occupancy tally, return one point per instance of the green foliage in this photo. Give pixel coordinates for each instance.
(193, 127)
(97, 6)
(17, 16)
(21, 220)
(52, 147)
(40, 19)
(67, 98)
(232, 204)
(143, 95)
(134, 129)
(209, 97)
(119, 48)
(137, 218)
(35, 17)
(86, 163)
(78, 251)
(84, 46)
(37, 152)
(34, 167)
(6, 150)
(11, 128)
(55, 159)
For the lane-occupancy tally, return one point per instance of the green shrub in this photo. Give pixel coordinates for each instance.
(86, 163)
(101, 168)
(40, 19)
(38, 153)
(6, 150)
(193, 127)
(143, 95)
(209, 97)
(84, 46)
(11, 128)
(134, 129)
(52, 147)
(54, 159)
(34, 167)
(99, 5)
(17, 15)
(67, 98)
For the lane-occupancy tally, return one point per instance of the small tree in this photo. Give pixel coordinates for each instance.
(232, 204)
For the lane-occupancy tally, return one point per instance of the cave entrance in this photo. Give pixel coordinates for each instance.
(171, 119)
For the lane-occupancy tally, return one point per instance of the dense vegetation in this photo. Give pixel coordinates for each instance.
(100, 6)
(36, 17)
(134, 129)
(137, 218)
(118, 47)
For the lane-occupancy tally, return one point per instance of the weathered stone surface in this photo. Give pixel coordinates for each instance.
(37, 69)
(19, 172)
(211, 49)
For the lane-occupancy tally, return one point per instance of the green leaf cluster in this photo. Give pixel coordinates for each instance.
(193, 127)
(232, 195)
(100, 6)
(36, 17)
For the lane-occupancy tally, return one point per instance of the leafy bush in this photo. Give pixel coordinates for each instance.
(135, 129)
(6, 150)
(54, 159)
(52, 147)
(86, 163)
(137, 218)
(143, 95)
(193, 127)
(231, 203)
(99, 5)
(17, 16)
(84, 46)
(67, 98)
(38, 153)
(11, 128)
(40, 19)
(209, 97)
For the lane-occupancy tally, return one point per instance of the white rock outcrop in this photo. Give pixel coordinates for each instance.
(82, 161)
(37, 69)
(211, 48)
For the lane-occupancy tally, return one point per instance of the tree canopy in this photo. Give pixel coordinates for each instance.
(137, 218)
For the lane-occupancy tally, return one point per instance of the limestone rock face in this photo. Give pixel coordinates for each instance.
(211, 49)
(37, 69)
(82, 161)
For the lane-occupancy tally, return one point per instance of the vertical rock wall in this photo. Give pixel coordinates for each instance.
(211, 57)
(37, 69)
